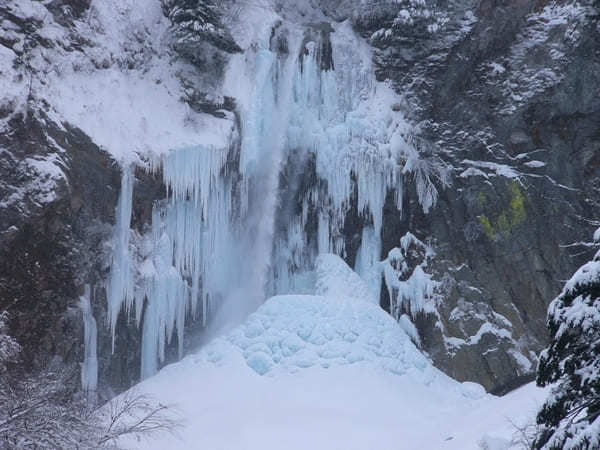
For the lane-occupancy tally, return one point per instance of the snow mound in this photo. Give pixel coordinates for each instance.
(343, 325)
(292, 331)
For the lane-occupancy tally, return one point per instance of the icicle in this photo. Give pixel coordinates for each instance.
(89, 368)
(187, 231)
(368, 258)
(120, 286)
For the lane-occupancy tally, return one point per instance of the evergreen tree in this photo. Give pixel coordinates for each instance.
(196, 22)
(570, 417)
(391, 21)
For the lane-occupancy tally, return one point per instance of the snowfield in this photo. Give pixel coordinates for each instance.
(327, 371)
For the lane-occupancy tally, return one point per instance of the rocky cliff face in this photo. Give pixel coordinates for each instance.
(53, 221)
(507, 93)
(502, 98)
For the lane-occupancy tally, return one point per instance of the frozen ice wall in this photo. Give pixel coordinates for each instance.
(345, 131)
(317, 137)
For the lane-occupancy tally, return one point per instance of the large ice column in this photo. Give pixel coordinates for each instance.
(163, 276)
(89, 368)
(120, 286)
(368, 260)
(264, 111)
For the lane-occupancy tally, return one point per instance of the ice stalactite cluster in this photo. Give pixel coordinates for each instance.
(348, 126)
(178, 272)
(411, 289)
(171, 271)
(246, 219)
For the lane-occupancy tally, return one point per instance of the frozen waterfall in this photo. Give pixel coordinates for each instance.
(240, 222)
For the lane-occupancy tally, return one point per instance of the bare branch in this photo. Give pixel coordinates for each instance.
(137, 414)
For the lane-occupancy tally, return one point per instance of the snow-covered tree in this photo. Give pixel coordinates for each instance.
(195, 22)
(47, 411)
(393, 19)
(570, 418)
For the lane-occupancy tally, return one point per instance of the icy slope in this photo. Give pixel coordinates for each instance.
(326, 372)
(343, 326)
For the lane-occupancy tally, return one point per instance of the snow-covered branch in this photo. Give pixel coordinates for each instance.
(46, 411)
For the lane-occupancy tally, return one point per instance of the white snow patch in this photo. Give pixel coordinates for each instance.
(535, 164)
(122, 90)
(489, 328)
(472, 172)
(502, 170)
(496, 68)
(142, 114)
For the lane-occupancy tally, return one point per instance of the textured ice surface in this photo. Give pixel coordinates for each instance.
(291, 332)
(343, 325)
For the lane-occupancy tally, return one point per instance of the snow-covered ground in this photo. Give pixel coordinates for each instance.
(327, 371)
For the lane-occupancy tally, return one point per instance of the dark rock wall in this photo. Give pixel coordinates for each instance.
(54, 241)
(50, 240)
(516, 89)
